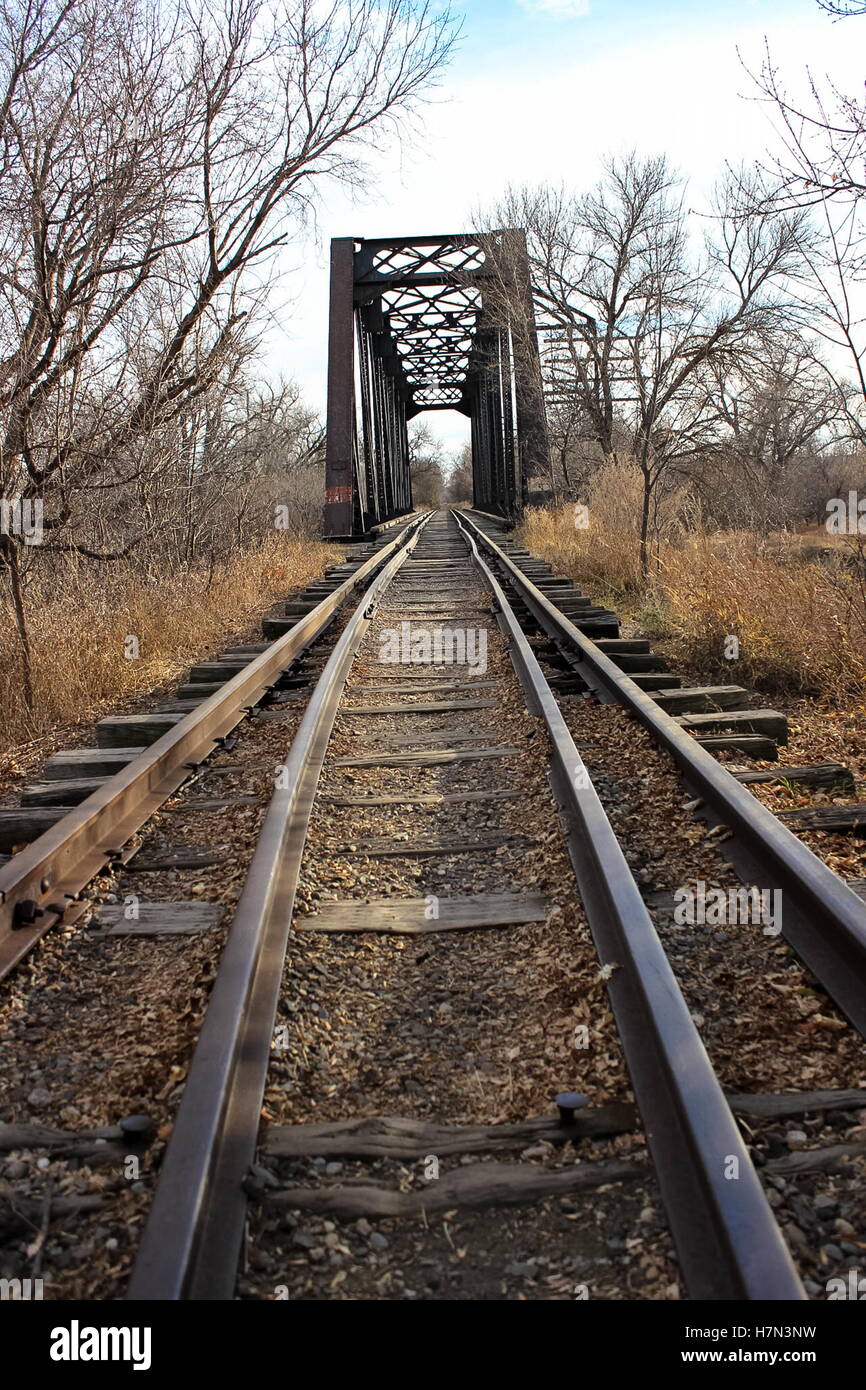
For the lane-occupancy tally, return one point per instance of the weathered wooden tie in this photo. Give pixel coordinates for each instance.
(411, 916)
(478, 1185)
(78, 763)
(832, 818)
(758, 721)
(701, 699)
(433, 799)
(434, 758)
(393, 1136)
(161, 919)
(423, 707)
(119, 730)
(814, 775)
(384, 847)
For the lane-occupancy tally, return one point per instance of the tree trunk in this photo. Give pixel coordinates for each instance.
(644, 525)
(11, 553)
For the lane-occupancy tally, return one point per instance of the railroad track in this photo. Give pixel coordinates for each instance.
(824, 918)
(727, 1240)
(90, 801)
(415, 806)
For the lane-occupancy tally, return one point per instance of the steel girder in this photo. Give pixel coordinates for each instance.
(429, 323)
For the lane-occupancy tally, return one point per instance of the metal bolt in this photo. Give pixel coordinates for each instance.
(567, 1102)
(138, 1129)
(25, 913)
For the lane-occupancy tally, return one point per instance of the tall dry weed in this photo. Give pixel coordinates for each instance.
(78, 630)
(800, 623)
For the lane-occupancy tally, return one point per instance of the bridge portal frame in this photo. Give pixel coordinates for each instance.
(429, 323)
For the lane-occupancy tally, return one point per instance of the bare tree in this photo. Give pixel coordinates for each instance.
(635, 318)
(843, 8)
(773, 410)
(426, 459)
(153, 158)
(458, 486)
(818, 166)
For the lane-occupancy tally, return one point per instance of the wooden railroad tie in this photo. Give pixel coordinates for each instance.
(489, 1184)
(425, 707)
(433, 758)
(829, 818)
(392, 1136)
(814, 775)
(410, 916)
(422, 799)
(492, 1183)
(180, 857)
(756, 721)
(384, 846)
(753, 745)
(161, 919)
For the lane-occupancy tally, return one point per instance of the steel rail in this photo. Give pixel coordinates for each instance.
(726, 1236)
(822, 918)
(193, 1236)
(54, 868)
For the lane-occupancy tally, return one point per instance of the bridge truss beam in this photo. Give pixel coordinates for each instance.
(429, 323)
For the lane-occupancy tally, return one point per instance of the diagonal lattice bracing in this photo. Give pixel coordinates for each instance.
(428, 323)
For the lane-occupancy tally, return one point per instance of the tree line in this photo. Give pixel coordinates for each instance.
(719, 350)
(155, 157)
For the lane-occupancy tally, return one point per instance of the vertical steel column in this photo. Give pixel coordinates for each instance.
(339, 470)
(365, 436)
(380, 437)
(509, 435)
(533, 440)
(497, 438)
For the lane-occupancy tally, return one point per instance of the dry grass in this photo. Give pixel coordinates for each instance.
(79, 625)
(801, 623)
(603, 555)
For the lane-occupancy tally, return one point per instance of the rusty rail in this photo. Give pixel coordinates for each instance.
(52, 871)
(726, 1236)
(193, 1235)
(822, 919)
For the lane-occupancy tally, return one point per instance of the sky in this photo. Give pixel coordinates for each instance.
(543, 91)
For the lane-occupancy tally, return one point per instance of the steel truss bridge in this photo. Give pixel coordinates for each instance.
(430, 323)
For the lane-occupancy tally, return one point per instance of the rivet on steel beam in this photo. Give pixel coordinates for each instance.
(567, 1102)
